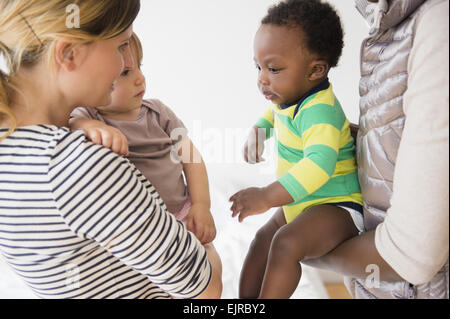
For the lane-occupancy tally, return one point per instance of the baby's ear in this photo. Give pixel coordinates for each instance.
(319, 70)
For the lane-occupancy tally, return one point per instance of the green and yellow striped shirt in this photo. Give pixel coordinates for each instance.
(315, 157)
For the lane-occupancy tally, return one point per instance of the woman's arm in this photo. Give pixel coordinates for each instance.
(214, 289)
(413, 239)
(103, 197)
(356, 258)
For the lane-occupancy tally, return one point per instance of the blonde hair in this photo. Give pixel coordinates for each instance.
(29, 30)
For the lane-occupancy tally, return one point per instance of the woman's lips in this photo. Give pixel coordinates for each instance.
(140, 94)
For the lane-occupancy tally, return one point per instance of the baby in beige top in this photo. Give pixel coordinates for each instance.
(155, 140)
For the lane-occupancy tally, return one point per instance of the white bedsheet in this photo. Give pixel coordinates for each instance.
(232, 241)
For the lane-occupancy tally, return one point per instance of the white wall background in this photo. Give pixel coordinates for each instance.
(198, 59)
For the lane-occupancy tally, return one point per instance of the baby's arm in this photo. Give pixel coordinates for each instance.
(258, 200)
(199, 220)
(101, 134)
(321, 148)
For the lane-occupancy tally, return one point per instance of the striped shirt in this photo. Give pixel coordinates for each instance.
(79, 221)
(315, 153)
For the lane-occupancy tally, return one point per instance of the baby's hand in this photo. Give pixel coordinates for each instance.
(247, 202)
(102, 134)
(201, 223)
(254, 146)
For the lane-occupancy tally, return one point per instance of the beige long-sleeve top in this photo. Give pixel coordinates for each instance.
(414, 237)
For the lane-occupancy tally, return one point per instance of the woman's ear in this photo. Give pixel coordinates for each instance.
(66, 54)
(319, 70)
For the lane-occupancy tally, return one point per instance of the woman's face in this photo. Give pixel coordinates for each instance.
(101, 64)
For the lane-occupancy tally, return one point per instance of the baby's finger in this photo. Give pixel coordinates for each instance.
(233, 207)
(208, 237)
(95, 137)
(234, 196)
(107, 139)
(200, 232)
(190, 224)
(124, 149)
(236, 210)
(244, 214)
(116, 145)
(212, 233)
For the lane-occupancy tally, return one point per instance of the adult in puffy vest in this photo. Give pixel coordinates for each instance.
(403, 155)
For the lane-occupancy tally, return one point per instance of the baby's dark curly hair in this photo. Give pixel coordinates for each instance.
(318, 21)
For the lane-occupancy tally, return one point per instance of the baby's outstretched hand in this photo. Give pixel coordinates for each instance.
(201, 223)
(247, 202)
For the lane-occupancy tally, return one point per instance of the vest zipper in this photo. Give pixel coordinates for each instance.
(411, 291)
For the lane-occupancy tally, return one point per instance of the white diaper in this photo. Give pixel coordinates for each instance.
(357, 218)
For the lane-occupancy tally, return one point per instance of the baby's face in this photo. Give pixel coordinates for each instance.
(282, 62)
(129, 90)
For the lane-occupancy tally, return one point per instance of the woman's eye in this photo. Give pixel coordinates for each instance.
(257, 67)
(125, 73)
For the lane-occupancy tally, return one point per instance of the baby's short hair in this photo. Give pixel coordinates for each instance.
(137, 45)
(318, 20)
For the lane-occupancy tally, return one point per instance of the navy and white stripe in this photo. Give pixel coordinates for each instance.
(78, 221)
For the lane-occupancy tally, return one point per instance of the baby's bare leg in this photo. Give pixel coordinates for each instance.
(252, 272)
(313, 233)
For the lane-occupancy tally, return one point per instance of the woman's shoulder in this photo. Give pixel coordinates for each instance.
(53, 142)
(37, 137)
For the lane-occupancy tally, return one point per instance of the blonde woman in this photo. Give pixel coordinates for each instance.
(76, 219)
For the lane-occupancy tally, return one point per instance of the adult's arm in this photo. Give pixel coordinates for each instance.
(412, 242)
(414, 237)
(103, 197)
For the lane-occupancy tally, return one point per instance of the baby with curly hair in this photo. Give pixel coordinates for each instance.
(317, 189)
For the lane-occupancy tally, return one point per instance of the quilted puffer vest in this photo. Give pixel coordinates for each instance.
(384, 74)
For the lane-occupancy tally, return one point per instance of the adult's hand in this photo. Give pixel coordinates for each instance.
(354, 128)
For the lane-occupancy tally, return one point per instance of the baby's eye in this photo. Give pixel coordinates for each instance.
(257, 67)
(124, 45)
(273, 70)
